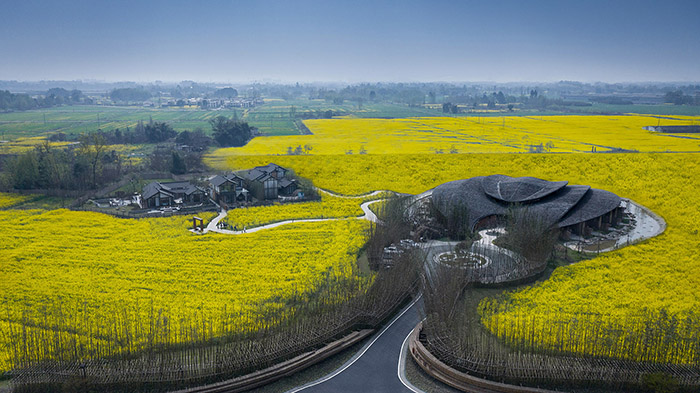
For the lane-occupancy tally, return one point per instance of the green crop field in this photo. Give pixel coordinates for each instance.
(80, 119)
(274, 118)
(662, 109)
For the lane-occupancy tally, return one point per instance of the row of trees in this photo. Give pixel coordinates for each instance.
(53, 97)
(454, 332)
(89, 165)
(677, 97)
(130, 94)
(226, 132)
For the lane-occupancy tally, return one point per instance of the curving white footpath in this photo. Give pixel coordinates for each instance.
(368, 215)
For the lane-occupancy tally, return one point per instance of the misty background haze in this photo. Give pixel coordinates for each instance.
(350, 41)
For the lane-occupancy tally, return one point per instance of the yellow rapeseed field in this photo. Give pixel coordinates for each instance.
(21, 145)
(102, 274)
(99, 269)
(662, 273)
(477, 135)
(7, 199)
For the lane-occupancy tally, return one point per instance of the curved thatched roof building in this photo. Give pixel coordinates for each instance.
(555, 202)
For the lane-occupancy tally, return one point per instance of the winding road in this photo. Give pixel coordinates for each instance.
(378, 366)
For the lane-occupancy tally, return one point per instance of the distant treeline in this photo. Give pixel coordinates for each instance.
(129, 94)
(678, 97)
(53, 97)
(226, 132)
(151, 132)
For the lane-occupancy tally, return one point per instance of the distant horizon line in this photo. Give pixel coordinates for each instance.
(341, 82)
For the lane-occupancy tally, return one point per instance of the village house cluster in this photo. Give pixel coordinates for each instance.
(204, 103)
(263, 183)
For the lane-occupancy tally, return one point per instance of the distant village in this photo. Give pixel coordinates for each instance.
(204, 103)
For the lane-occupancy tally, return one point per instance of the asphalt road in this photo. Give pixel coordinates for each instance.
(374, 367)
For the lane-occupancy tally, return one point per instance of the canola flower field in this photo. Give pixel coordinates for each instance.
(515, 134)
(658, 275)
(21, 145)
(8, 199)
(89, 266)
(86, 276)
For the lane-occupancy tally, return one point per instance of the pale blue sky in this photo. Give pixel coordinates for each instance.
(351, 41)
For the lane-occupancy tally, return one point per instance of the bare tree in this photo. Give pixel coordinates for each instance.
(93, 146)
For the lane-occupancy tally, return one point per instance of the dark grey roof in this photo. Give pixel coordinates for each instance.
(256, 174)
(286, 182)
(552, 208)
(181, 187)
(271, 167)
(170, 188)
(151, 189)
(218, 180)
(594, 204)
(468, 193)
(555, 202)
(259, 172)
(519, 189)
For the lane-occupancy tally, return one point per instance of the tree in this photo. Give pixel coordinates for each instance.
(92, 147)
(229, 132)
(25, 171)
(76, 95)
(500, 97)
(178, 166)
(226, 92)
(677, 98)
(129, 94)
(159, 132)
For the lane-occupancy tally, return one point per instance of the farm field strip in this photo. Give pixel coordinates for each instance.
(8, 199)
(85, 119)
(475, 135)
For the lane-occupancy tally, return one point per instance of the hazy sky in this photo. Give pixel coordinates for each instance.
(350, 41)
